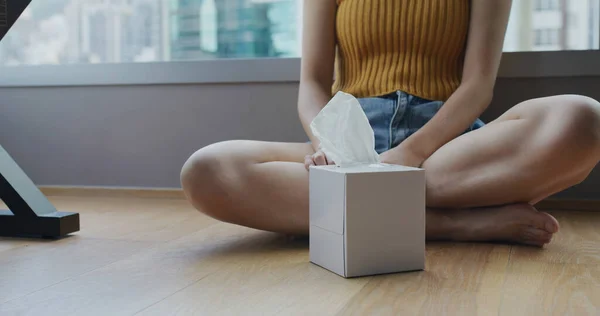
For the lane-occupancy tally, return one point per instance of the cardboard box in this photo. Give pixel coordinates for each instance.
(367, 219)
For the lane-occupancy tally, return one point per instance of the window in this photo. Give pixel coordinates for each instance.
(546, 5)
(550, 25)
(135, 31)
(125, 31)
(546, 37)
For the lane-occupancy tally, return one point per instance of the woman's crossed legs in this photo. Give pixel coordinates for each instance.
(480, 186)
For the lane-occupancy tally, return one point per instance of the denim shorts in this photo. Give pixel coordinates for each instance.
(396, 116)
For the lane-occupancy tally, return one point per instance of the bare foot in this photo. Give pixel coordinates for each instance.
(516, 223)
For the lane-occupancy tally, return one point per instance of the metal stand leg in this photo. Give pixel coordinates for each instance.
(31, 214)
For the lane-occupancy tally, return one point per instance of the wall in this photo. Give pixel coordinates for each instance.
(140, 135)
(135, 135)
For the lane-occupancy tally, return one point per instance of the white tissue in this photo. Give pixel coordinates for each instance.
(344, 132)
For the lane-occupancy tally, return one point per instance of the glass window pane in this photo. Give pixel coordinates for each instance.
(121, 31)
(549, 25)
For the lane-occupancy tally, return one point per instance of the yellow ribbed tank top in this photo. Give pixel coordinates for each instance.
(416, 46)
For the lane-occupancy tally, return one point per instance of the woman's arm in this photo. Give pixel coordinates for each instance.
(487, 29)
(318, 57)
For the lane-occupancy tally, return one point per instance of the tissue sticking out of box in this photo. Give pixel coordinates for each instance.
(344, 131)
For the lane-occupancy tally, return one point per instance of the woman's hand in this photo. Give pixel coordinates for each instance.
(402, 156)
(317, 159)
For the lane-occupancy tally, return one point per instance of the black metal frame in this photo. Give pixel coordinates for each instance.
(31, 214)
(10, 10)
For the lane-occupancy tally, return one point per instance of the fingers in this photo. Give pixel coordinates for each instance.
(320, 158)
(317, 159)
(308, 161)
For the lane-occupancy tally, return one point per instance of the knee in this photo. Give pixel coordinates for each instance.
(198, 171)
(574, 145)
(576, 121)
(204, 179)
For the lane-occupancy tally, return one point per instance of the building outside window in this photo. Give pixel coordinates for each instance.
(52, 32)
(546, 37)
(547, 5)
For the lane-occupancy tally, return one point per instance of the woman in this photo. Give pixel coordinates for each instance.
(424, 71)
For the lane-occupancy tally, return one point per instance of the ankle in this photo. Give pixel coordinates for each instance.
(442, 224)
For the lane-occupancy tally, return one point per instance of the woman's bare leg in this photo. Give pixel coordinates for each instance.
(537, 148)
(265, 186)
(262, 185)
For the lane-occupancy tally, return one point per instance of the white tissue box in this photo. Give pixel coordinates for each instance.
(367, 219)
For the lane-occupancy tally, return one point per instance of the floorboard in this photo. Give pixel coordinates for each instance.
(41, 265)
(543, 288)
(158, 256)
(463, 279)
(578, 241)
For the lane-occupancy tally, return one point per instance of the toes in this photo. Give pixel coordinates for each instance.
(532, 233)
(535, 236)
(534, 243)
(551, 225)
(545, 221)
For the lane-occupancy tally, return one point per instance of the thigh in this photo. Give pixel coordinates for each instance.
(262, 185)
(491, 142)
(250, 151)
(498, 163)
(539, 108)
(523, 156)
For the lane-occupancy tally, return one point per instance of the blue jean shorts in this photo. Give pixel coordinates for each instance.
(396, 116)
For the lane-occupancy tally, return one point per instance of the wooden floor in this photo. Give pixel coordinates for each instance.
(159, 257)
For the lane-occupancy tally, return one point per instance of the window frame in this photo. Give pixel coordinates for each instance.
(264, 70)
(533, 64)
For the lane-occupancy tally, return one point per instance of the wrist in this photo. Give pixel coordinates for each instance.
(418, 148)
